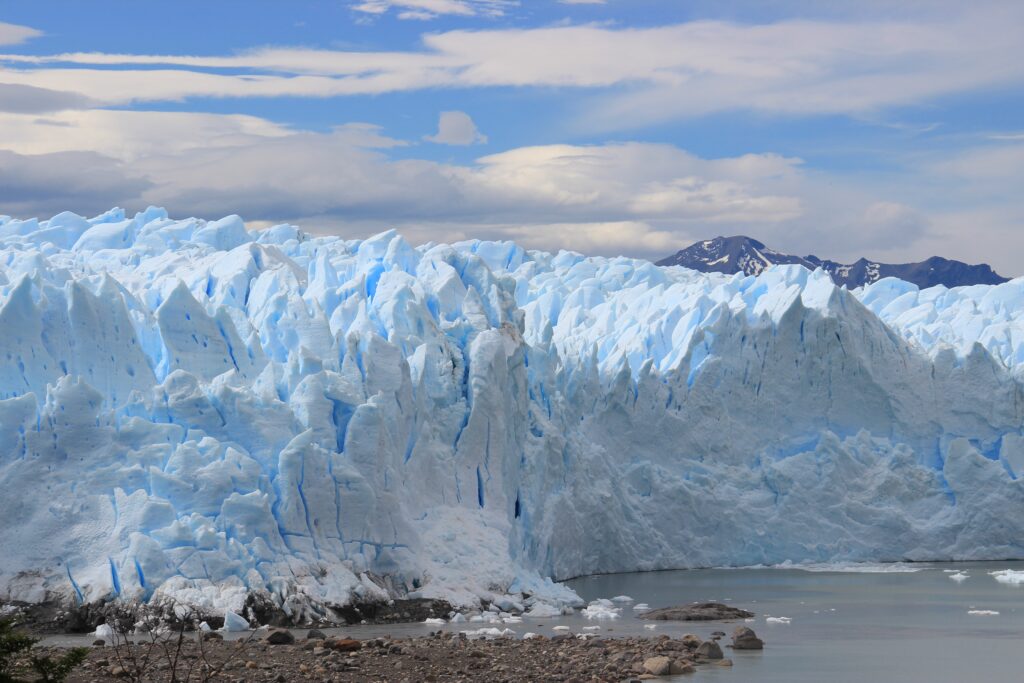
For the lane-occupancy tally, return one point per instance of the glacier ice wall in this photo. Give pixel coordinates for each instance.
(193, 410)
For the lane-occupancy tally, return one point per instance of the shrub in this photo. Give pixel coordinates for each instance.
(15, 644)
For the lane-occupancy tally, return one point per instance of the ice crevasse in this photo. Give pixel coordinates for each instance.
(196, 411)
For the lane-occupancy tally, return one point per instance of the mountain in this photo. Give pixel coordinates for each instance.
(746, 255)
(282, 424)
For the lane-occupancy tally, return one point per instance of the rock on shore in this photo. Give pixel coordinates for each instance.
(744, 638)
(704, 611)
(438, 657)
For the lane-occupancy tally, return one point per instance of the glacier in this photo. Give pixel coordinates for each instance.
(198, 412)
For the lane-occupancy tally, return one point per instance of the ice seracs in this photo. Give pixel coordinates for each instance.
(195, 412)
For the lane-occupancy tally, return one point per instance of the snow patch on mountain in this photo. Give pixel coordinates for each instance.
(741, 254)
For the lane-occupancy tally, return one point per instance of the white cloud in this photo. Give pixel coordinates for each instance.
(13, 34)
(581, 197)
(618, 237)
(29, 99)
(583, 2)
(634, 76)
(456, 128)
(640, 199)
(430, 9)
(417, 15)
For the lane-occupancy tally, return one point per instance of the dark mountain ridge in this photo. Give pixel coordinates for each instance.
(744, 254)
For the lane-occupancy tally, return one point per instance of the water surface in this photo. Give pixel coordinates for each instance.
(863, 623)
(898, 623)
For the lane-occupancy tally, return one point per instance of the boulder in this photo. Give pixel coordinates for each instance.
(704, 611)
(279, 636)
(343, 644)
(658, 666)
(691, 641)
(315, 634)
(744, 638)
(709, 649)
(681, 666)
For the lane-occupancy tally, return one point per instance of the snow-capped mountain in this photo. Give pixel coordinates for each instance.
(741, 254)
(195, 411)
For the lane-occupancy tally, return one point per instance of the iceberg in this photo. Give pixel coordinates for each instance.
(195, 412)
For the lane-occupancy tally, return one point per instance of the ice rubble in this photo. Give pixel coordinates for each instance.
(192, 410)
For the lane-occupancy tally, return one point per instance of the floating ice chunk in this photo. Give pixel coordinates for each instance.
(506, 604)
(511, 619)
(622, 598)
(530, 635)
(641, 606)
(458, 618)
(854, 567)
(601, 609)
(434, 621)
(591, 628)
(560, 627)
(650, 627)
(983, 612)
(543, 610)
(778, 620)
(234, 622)
(491, 632)
(959, 577)
(1014, 577)
(104, 631)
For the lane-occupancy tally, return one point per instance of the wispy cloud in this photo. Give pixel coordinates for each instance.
(641, 199)
(215, 164)
(28, 99)
(686, 70)
(13, 34)
(431, 9)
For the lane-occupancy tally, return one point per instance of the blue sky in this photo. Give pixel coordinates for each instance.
(617, 127)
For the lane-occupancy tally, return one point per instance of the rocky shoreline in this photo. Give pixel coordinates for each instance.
(50, 618)
(276, 656)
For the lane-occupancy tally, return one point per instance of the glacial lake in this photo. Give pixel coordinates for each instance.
(886, 623)
(890, 623)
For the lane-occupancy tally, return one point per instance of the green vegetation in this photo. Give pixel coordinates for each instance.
(14, 645)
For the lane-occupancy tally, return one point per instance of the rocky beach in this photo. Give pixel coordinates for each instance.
(280, 655)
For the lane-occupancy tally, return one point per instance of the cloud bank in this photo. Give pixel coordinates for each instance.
(642, 199)
(638, 76)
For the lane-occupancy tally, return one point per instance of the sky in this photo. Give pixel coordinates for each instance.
(888, 130)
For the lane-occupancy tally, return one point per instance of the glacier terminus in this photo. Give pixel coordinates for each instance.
(197, 412)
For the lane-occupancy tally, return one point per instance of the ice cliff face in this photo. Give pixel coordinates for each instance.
(192, 410)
